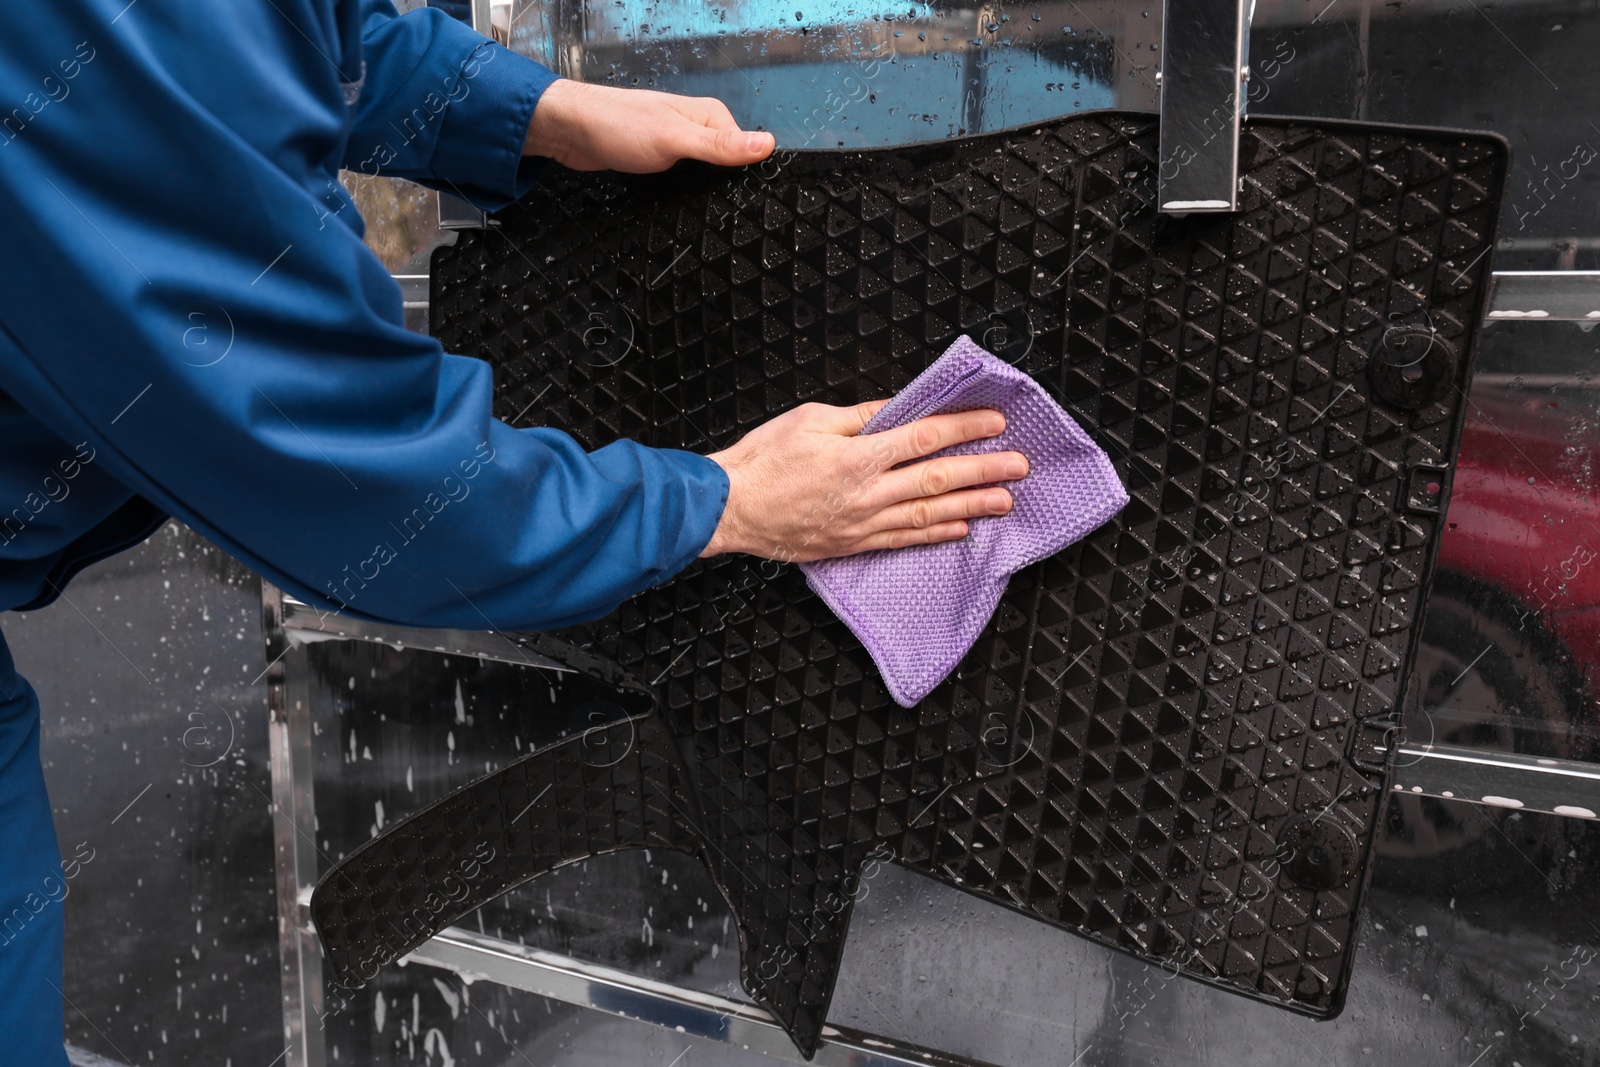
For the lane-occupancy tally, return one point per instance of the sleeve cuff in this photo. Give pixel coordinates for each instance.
(483, 132)
(706, 490)
(684, 497)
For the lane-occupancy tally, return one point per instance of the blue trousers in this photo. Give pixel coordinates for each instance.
(32, 887)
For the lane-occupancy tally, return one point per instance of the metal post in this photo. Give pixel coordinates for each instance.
(294, 841)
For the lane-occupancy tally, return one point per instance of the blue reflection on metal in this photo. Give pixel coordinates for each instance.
(920, 98)
(627, 20)
(838, 74)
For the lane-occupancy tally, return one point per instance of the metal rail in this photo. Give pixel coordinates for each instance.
(1499, 779)
(702, 1015)
(1544, 296)
(303, 624)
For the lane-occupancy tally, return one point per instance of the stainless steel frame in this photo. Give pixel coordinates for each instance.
(703, 1015)
(1484, 778)
(293, 829)
(302, 624)
(290, 626)
(1203, 81)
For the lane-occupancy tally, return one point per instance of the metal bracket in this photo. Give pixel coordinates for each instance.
(457, 214)
(1203, 80)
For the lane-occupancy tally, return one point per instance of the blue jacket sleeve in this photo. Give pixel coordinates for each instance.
(443, 106)
(240, 361)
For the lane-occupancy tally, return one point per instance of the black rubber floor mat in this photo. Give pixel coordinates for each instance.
(1172, 737)
(616, 784)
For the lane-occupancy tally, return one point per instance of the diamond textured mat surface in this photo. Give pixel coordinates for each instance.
(1172, 736)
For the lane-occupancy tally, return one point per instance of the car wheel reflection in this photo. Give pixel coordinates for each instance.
(1491, 676)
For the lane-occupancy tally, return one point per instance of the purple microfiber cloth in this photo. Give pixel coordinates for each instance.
(918, 610)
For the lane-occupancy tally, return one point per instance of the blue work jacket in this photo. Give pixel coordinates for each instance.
(190, 324)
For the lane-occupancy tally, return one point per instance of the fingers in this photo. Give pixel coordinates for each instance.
(726, 147)
(931, 521)
(935, 477)
(908, 536)
(927, 512)
(710, 133)
(928, 435)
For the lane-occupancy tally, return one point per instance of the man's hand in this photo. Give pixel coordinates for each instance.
(597, 127)
(808, 485)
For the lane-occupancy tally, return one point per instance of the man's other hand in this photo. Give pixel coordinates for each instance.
(597, 127)
(809, 485)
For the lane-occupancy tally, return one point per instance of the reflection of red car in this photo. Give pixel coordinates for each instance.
(1524, 519)
(1513, 623)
